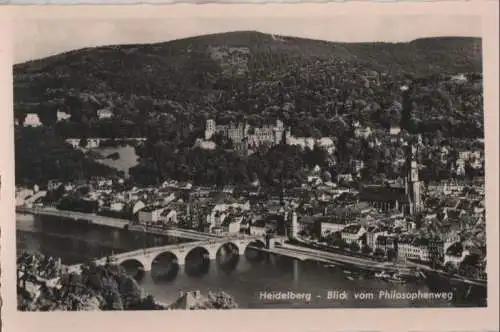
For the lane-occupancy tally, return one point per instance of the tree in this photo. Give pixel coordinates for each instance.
(83, 142)
(105, 287)
(436, 259)
(365, 249)
(450, 268)
(221, 300)
(327, 176)
(26, 269)
(379, 252)
(354, 246)
(341, 243)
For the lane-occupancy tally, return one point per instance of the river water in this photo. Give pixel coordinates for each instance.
(247, 282)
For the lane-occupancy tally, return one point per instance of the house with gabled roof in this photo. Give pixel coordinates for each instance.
(168, 216)
(354, 233)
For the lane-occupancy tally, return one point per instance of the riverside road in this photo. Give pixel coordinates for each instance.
(116, 223)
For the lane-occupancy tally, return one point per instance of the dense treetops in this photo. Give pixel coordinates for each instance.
(43, 285)
(105, 287)
(166, 91)
(188, 78)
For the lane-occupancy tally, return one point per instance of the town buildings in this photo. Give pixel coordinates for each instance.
(354, 233)
(413, 247)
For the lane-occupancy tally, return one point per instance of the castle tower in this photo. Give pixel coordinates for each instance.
(209, 129)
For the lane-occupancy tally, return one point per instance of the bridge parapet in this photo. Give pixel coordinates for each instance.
(147, 256)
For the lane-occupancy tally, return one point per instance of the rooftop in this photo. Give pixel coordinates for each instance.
(383, 193)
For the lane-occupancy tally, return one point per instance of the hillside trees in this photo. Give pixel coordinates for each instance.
(105, 287)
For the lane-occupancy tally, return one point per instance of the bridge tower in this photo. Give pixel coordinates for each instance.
(294, 226)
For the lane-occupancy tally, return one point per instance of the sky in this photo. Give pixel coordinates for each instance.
(39, 38)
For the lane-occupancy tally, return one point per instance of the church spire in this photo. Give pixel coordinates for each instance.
(406, 112)
(412, 185)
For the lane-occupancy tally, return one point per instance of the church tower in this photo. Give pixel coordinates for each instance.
(413, 184)
(412, 181)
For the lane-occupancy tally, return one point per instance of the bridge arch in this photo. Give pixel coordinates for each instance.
(228, 255)
(255, 243)
(251, 251)
(197, 260)
(133, 267)
(234, 245)
(165, 266)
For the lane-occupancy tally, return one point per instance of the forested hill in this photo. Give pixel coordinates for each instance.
(166, 91)
(232, 74)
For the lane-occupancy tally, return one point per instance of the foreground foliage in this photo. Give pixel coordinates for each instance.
(43, 285)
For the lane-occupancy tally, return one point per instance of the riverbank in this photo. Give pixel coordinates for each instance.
(75, 216)
(434, 278)
(116, 223)
(342, 258)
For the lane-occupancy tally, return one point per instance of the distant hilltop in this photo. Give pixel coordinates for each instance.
(228, 75)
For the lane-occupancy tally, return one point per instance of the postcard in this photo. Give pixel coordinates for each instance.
(241, 159)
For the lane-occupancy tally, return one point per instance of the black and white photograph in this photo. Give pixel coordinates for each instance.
(249, 163)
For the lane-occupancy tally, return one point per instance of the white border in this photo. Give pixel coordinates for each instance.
(250, 320)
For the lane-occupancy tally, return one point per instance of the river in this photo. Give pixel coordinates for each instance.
(247, 282)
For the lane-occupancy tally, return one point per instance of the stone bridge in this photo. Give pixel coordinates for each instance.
(179, 252)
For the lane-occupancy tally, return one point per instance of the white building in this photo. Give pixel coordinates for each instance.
(116, 206)
(210, 129)
(330, 227)
(32, 120)
(139, 205)
(150, 215)
(205, 145)
(353, 233)
(258, 230)
(92, 143)
(223, 208)
(363, 132)
(61, 116)
(394, 130)
(104, 114)
(344, 177)
(327, 144)
(232, 225)
(168, 216)
(372, 233)
(303, 142)
(414, 251)
(22, 195)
